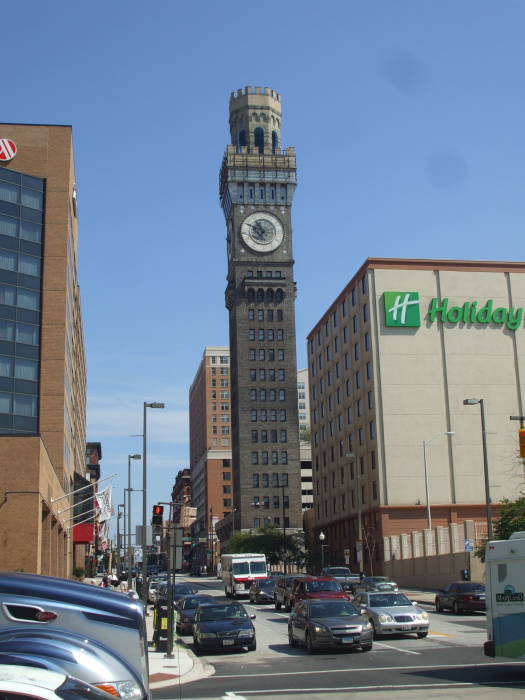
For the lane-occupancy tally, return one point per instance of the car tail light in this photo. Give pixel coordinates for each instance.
(467, 597)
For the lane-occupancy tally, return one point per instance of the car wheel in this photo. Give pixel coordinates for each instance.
(421, 635)
(366, 647)
(308, 643)
(277, 604)
(291, 638)
(455, 608)
(439, 607)
(252, 647)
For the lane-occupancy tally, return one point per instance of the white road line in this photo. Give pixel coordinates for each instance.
(389, 646)
(405, 686)
(422, 667)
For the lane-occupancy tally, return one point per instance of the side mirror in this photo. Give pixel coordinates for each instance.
(363, 611)
(252, 616)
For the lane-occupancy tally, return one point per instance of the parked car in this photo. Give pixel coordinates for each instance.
(283, 586)
(315, 587)
(65, 621)
(21, 681)
(261, 591)
(186, 607)
(179, 590)
(393, 613)
(461, 596)
(153, 586)
(377, 583)
(320, 624)
(223, 626)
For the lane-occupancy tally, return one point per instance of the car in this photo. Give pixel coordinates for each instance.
(461, 596)
(21, 681)
(376, 583)
(283, 586)
(315, 587)
(179, 590)
(321, 624)
(261, 591)
(74, 621)
(341, 574)
(223, 626)
(152, 590)
(392, 613)
(186, 607)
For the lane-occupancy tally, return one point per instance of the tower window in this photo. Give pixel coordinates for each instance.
(258, 138)
(275, 141)
(241, 140)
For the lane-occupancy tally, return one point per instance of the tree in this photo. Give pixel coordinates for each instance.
(511, 519)
(305, 435)
(268, 541)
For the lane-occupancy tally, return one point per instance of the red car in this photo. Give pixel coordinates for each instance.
(315, 587)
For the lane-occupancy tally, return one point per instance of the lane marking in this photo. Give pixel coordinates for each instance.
(405, 686)
(377, 668)
(389, 646)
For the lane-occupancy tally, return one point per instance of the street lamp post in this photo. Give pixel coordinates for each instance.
(488, 503)
(119, 515)
(154, 404)
(425, 444)
(322, 537)
(128, 551)
(285, 551)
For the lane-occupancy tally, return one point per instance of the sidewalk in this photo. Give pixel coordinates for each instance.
(182, 668)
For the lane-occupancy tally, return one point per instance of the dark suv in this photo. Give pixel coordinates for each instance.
(315, 587)
(282, 590)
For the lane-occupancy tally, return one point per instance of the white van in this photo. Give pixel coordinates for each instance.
(239, 571)
(505, 590)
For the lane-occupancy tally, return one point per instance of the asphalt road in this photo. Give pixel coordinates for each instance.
(448, 663)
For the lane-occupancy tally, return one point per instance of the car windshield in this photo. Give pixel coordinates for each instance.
(335, 609)
(379, 579)
(194, 602)
(183, 588)
(269, 583)
(389, 600)
(471, 587)
(338, 571)
(221, 612)
(314, 586)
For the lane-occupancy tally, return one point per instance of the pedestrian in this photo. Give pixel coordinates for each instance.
(105, 582)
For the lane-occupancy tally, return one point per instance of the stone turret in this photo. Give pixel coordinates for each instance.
(255, 120)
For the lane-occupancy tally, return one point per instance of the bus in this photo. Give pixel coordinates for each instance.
(505, 590)
(239, 571)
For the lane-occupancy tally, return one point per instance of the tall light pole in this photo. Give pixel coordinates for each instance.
(425, 444)
(322, 537)
(488, 503)
(285, 551)
(154, 404)
(128, 551)
(119, 515)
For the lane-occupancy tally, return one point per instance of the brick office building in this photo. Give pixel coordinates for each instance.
(42, 365)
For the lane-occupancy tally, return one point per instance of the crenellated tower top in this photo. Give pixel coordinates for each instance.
(255, 120)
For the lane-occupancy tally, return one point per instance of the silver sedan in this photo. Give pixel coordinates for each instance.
(393, 613)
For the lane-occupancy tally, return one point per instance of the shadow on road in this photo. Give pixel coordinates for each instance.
(510, 675)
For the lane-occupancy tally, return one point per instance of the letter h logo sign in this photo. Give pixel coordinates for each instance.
(402, 309)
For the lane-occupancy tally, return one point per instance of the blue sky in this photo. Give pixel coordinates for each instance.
(407, 117)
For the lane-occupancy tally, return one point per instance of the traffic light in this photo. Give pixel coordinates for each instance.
(521, 434)
(157, 515)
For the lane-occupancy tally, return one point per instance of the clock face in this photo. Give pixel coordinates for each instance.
(262, 232)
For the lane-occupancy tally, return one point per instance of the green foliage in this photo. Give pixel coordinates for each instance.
(305, 435)
(79, 572)
(511, 519)
(268, 541)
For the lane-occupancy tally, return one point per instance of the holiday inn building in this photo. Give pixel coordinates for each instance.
(394, 447)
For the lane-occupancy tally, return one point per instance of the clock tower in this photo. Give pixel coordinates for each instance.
(257, 184)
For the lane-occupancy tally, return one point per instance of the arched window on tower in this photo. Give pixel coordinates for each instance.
(258, 139)
(275, 141)
(279, 296)
(251, 295)
(269, 295)
(260, 295)
(241, 140)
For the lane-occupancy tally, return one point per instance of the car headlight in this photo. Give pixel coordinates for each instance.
(208, 635)
(245, 633)
(422, 615)
(128, 690)
(385, 618)
(320, 629)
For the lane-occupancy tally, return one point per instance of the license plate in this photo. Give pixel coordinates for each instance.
(228, 642)
(348, 640)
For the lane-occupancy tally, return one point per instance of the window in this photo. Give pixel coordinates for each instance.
(262, 375)
(264, 457)
(260, 315)
(273, 415)
(254, 414)
(265, 481)
(251, 333)
(361, 436)
(355, 324)
(359, 407)
(253, 394)
(254, 435)
(269, 314)
(224, 395)
(365, 312)
(276, 502)
(356, 352)
(263, 415)
(370, 399)
(284, 457)
(261, 333)
(280, 355)
(336, 344)
(271, 375)
(275, 457)
(266, 504)
(258, 139)
(262, 395)
(282, 415)
(272, 395)
(364, 285)
(373, 459)
(270, 334)
(261, 355)
(255, 458)
(283, 435)
(358, 380)
(369, 370)
(367, 341)
(264, 436)
(226, 476)
(372, 429)
(279, 315)
(281, 375)
(374, 490)
(227, 502)
(226, 489)
(280, 334)
(225, 430)
(251, 314)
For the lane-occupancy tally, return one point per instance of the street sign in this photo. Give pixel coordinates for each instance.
(7, 149)
(469, 545)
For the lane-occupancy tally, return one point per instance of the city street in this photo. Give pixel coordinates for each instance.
(449, 661)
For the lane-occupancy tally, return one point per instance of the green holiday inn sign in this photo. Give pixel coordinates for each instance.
(402, 310)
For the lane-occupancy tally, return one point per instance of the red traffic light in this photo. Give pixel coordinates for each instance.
(158, 510)
(521, 434)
